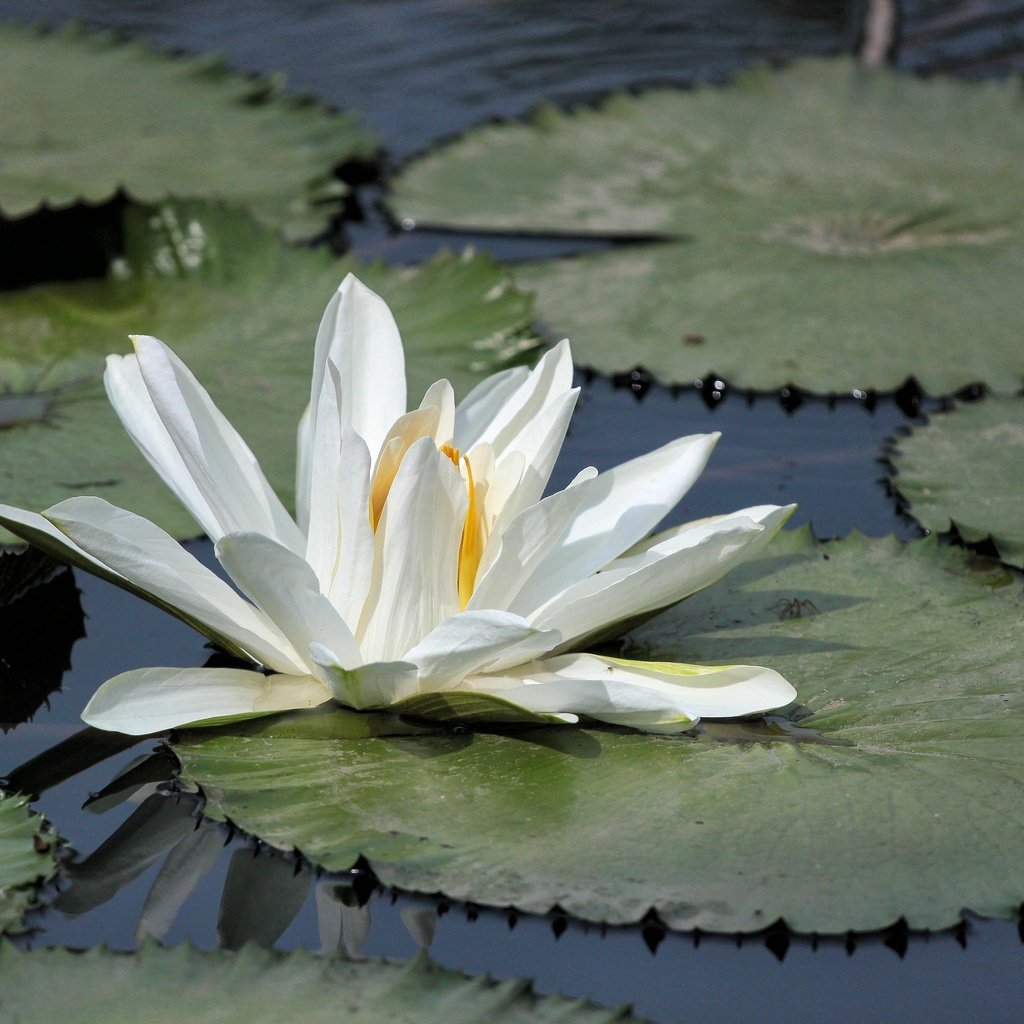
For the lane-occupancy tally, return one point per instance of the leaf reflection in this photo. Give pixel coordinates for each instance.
(263, 890)
(40, 620)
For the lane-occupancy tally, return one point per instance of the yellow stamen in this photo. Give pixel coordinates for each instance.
(474, 532)
(405, 432)
(474, 529)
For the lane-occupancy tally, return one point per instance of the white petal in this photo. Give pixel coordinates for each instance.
(360, 336)
(153, 700)
(151, 562)
(37, 530)
(415, 584)
(401, 436)
(771, 517)
(527, 469)
(219, 462)
(355, 564)
(523, 548)
(549, 380)
(130, 398)
(441, 396)
(476, 411)
(595, 606)
(475, 642)
(612, 701)
(286, 589)
(621, 506)
(541, 441)
(304, 442)
(323, 537)
(654, 696)
(377, 684)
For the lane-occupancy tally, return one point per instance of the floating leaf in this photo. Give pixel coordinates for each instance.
(900, 793)
(26, 856)
(256, 984)
(242, 310)
(807, 212)
(40, 621)
(86, 115)
(964, 471)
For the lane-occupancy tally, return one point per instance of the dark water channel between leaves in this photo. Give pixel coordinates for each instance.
(422, 70)
(826, 458)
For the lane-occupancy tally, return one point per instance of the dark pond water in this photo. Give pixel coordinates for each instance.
(421, 70)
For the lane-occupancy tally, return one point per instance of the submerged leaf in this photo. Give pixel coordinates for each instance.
(256, 984)
(909, 804)
(965, 470)
(241, 309)
(803, 212)
(85, 116)
(27, 855)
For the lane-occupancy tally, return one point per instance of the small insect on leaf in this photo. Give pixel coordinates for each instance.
(794, 608)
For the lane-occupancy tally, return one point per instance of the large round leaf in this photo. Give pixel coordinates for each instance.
(166, 986)
(85, 115)
(242, 310)
(904, 800)
(766, 315)
(26, 857)
(964, 470)
(826, 227)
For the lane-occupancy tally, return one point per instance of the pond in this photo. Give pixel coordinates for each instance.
(420, 72)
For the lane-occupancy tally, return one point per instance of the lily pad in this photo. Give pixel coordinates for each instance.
(86, 115)
(803, 215)
(26, 857)
(963, 471)
(242, 309)
(898, 792)
(257, 984)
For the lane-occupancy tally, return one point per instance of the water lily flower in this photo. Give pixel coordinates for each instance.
(425, 572)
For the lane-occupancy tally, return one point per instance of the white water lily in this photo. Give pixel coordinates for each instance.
(425, 571)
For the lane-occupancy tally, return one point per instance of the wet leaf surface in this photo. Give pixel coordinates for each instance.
(963, 472)
(256, 984)
(85, 116)
(801, 214)
(908, 804)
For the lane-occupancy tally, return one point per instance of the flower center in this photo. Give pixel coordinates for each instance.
(474, 530)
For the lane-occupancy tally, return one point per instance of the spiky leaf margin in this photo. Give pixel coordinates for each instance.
(27, 856)
(822, 226)
(86, 115)
(257, 984)
(964, 470)
(901, 795)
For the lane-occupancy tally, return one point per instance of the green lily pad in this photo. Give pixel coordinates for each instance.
(258, 984)
(86, 115)
(242, 310)
(964, 471)
(26, 856)
(898, 793)
(820, 226)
